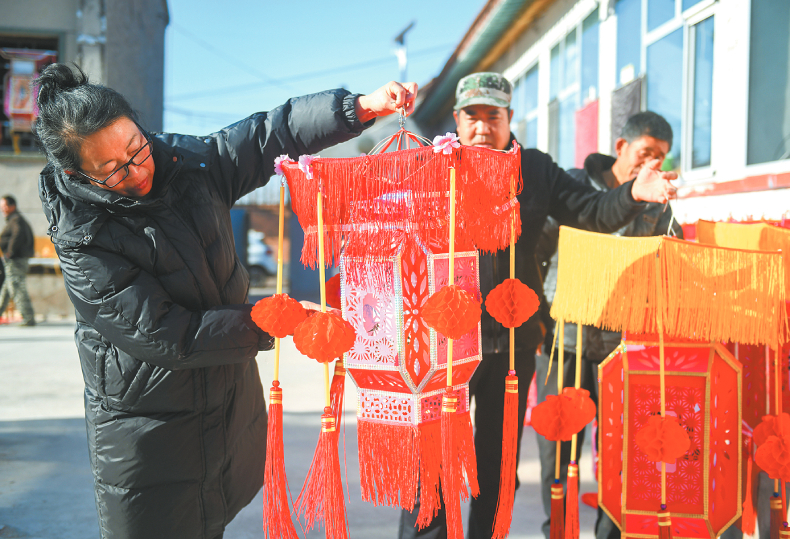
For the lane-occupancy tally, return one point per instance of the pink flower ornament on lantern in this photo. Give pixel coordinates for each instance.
(445, 144)
(305, 162)
(278, 164)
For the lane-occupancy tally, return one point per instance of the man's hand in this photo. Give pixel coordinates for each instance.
(392, 97)
(652, 185)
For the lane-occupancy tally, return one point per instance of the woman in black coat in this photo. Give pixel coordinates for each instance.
(173, 400)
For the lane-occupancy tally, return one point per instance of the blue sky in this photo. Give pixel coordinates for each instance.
(227, 59)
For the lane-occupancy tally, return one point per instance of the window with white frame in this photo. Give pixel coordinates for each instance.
(769, 82)
(524, 123)
(674, 39)
(573, 72)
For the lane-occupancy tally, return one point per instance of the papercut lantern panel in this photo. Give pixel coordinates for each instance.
(758, 397)
(703, 389)
(397, 362)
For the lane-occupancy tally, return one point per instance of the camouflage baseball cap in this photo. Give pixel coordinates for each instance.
(483, 89)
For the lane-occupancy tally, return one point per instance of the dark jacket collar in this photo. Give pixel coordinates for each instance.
(595, 165)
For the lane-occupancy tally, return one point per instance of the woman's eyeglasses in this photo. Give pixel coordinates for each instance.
(140, 157)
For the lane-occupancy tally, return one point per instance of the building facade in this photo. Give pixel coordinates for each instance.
(117, 43)
(718, 71)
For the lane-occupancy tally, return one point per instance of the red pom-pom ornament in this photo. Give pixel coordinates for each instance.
(278, 315)
(452, 312)
(324, 337)
(772, 425)
(663, 439)
(560, 417)
(333, 292)
(512, 302)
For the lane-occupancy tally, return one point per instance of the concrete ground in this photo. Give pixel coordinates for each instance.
(45, 479)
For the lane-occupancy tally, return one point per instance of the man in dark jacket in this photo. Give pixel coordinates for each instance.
(482, 115)
(174, 404)
(17, 246)
(646, 136)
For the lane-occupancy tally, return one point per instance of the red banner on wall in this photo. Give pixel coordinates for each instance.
(586, 132)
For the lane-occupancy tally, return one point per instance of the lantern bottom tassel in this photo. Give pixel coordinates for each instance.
(389, 477)
(323, 489)
(572, 503)
(452, 480)
(276, 513)
(748, 517)
(776, 515)
(557, 529)
(430, 458)
(507, 470)
(337, 390)
(664, 523)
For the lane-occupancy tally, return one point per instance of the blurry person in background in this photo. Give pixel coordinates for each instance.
(17, 245)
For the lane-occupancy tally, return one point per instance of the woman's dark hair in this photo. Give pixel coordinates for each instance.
(70, 108)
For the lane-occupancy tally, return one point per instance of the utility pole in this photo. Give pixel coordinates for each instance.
(400, 50)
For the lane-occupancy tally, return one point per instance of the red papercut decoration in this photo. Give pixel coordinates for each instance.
(560, 417)
(772, 425)
(452, 312)
(324, 337)
(512, 302)
(278, 315)
(663, 439)
(333, 292)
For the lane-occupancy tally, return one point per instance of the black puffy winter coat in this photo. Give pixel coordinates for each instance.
(173, 400)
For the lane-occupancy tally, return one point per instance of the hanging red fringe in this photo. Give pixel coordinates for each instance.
(337, 390)
(664, 524)
(748, 516)
(464, 434)
(322, 494)
(276, 513)
(388, 477)
(507, 470)
(776, 516)
(572, 503)
(557, 524)
(430, 455)
(451, 471)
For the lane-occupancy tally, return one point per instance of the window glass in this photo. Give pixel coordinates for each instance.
(517, 101)
(531, 90)
(590, 57)
(629, 38)
(703, 92)
(690, 3)
(664, 83)
(769, 90)
(659, 12)
(554, 82)
(531, 140)
(570, 69)
(566, 154)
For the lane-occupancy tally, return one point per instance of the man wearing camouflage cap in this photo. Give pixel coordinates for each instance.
(482, 116)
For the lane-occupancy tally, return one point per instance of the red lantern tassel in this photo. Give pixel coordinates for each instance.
(664, 523)
(337, 390)
(430, 456)
(572, 503)
(748, 517)
(776, 515)
(451, 471)
(464, 434)
(276, 514)
(388, 477)
(507, 470)
(322, 493)
(557, 517)
(784, 533)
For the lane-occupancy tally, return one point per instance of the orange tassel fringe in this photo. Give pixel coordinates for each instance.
(322, 494)
(572, 503)
(430, 471)
(557, 507)
(276, 514)
(388, 477)
(507, 470)
(665, 524)
(452, 480)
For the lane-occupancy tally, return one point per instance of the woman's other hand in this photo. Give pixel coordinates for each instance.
(392, 97)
